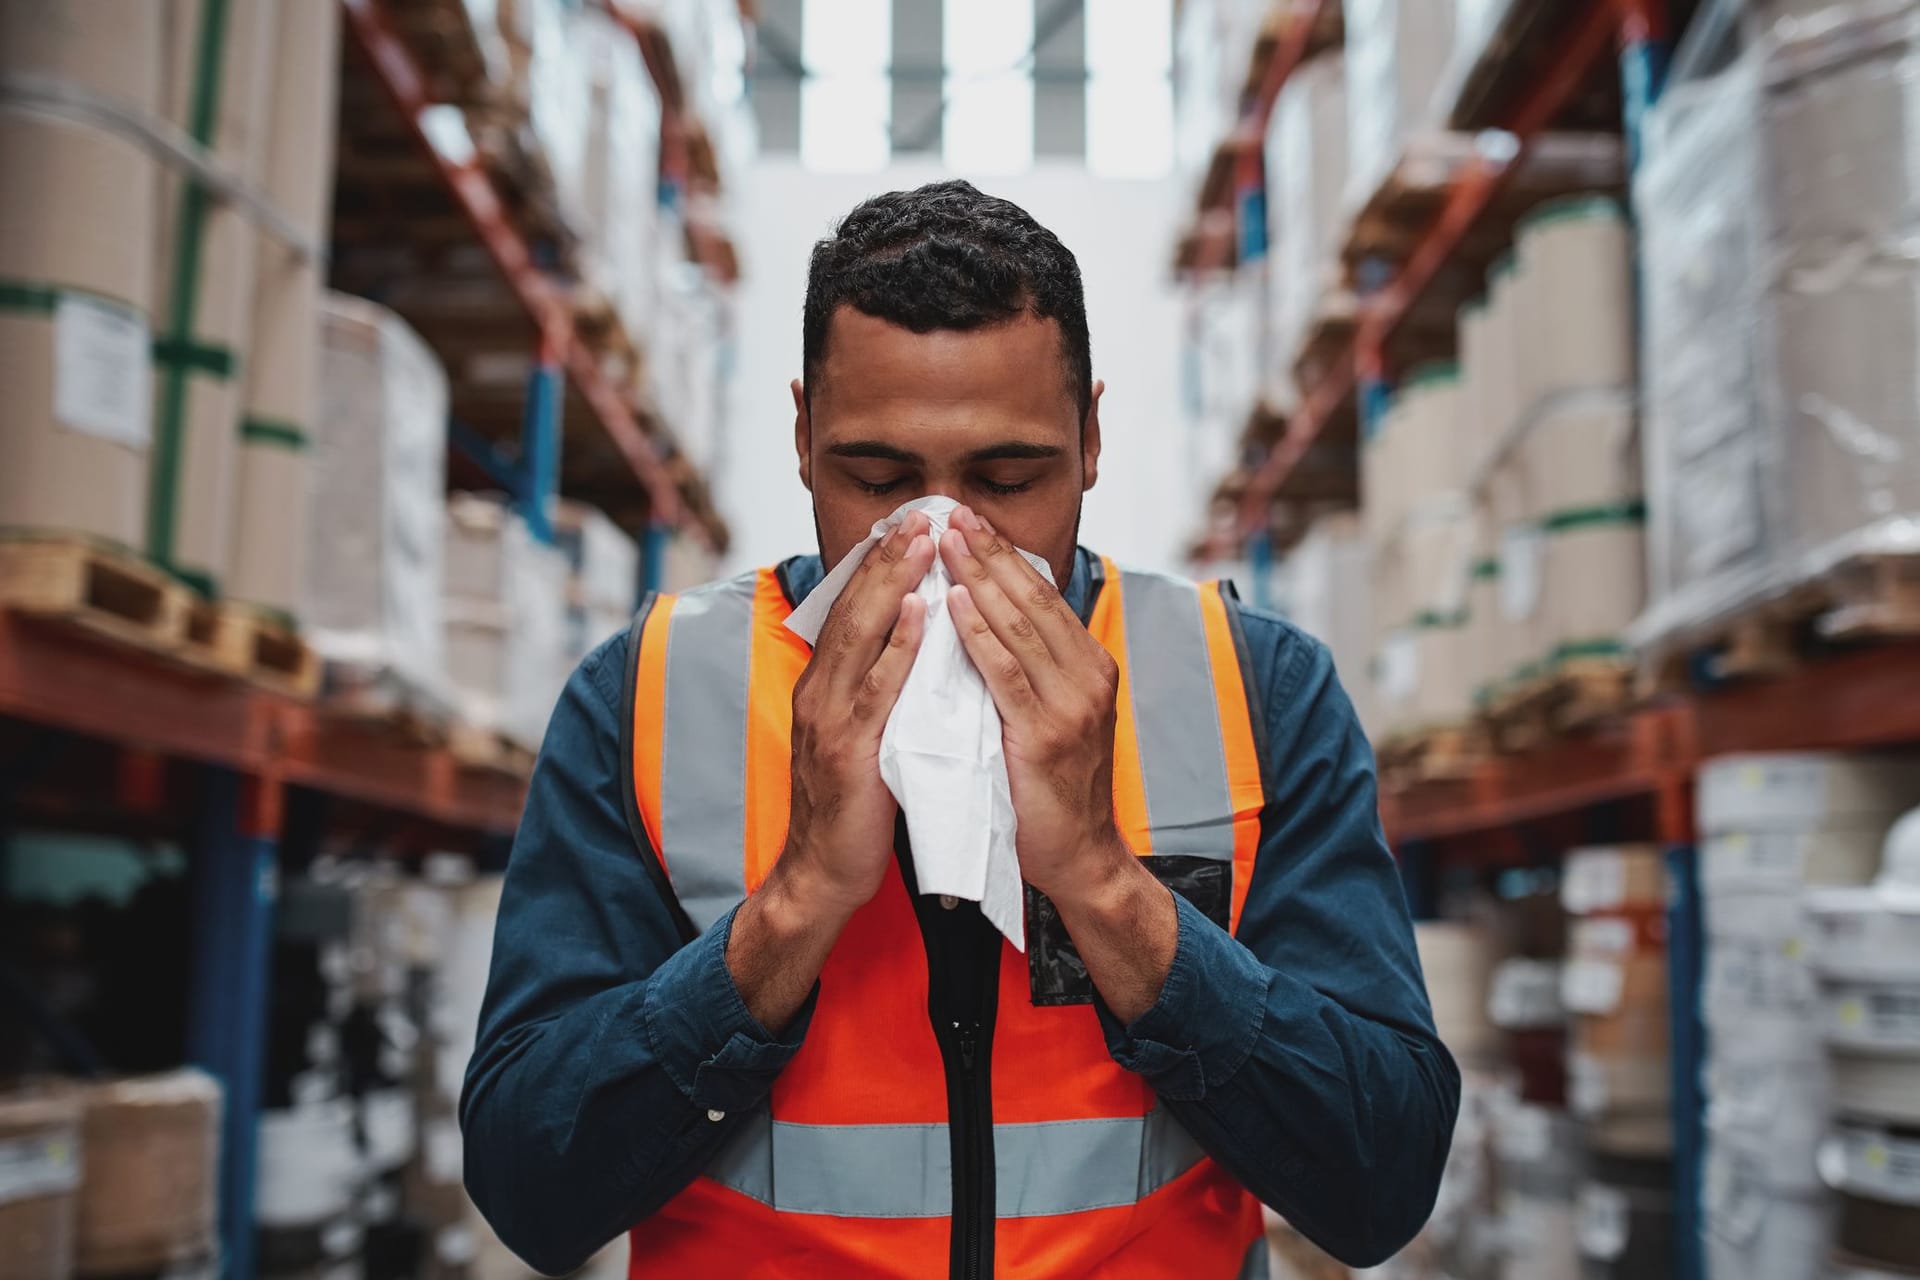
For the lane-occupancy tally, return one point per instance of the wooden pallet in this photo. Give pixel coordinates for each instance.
(249, 644)
(1863, 600)
(102, 590)
(489, 751)
(1576, 695)
(1440, 754)
(381, 701)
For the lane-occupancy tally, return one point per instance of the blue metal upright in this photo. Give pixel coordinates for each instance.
(233, 870)
(540, 445)
(1686, 962)
(653, 556)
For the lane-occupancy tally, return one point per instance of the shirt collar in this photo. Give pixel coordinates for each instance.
(801, 574)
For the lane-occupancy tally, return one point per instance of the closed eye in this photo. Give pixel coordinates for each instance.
(1004, 489)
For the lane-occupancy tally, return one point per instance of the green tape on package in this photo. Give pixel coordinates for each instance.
(1631, 512)
(276, 435)
(1598, 647)
(196, 357)
(184, 298)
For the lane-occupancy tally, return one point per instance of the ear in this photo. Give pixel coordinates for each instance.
(1090, 440)
(803, 434)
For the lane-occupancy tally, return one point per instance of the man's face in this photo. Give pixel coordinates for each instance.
(984, 417)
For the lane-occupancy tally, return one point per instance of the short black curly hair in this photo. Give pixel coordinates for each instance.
(948, 256)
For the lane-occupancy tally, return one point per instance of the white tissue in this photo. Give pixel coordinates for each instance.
(940, 754)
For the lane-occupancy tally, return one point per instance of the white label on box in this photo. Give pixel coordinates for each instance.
(1587, 1094)
(1596, 879)
(1870, 1163)
(37, 1166)
(1604, 1222)
(1592, 986)
(102, 370)
(1522, 550)
(1603, 937)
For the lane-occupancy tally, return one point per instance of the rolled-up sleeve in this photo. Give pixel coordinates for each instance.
(1301, 1052)
(611, 1061)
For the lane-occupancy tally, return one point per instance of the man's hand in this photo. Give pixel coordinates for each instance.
(1056, 689)
(840, 818)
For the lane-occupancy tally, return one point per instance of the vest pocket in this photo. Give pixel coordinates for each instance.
(1055, 973)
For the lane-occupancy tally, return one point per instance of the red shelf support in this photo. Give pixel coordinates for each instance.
(545, 301)
(1472, 193)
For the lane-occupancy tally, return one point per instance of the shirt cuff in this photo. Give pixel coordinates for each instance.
(1208, 1016)
(715, 1052)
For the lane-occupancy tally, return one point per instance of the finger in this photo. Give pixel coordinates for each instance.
(1036, 597)
(1005, 676)
(1011, 626)
(857, 626)
(880, 687)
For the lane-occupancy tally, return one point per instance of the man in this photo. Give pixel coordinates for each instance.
(720, 1016)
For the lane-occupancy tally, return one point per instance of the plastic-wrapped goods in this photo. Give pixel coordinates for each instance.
(1867, 952)
(558, 100)
(76, 269)
(686, 377)
(1537, 1151)
(1615, 986)
(603, 561)
(371, 602)
(1331, 600)
(1841, 135)
(309, 1175)
(39, 1182)
(1783, 319)
(151, 1161)
(1475, 23)
(1626, 1228)
(270, 519)
(1213, 44)
(1397, 53)
(1499, 378)
(1511, 523)
(619, 171)
(505, 614)
(1306, 184)
(1753, 1231)
(1573, 327)
(215, 89)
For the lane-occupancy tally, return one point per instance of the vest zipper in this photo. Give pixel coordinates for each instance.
(969, 1116)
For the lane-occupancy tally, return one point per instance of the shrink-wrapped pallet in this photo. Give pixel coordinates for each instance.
(1397, 53)
(603, 582)
(371, 600)
(270, 518)
(1576, 332)
(76, 268)
(1306, 184)
(1783, 327)
(215, 90)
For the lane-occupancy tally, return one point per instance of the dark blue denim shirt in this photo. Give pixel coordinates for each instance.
(612, 1062)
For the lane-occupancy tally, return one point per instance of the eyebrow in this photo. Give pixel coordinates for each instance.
(1011, 449)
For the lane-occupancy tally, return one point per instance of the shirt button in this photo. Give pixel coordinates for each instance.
(716, 1116)
(948, 901)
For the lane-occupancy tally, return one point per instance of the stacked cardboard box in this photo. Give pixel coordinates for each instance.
(39, 1202)
(76, 271)
(1329, 598)
(373, 548)
(282, 397)
(1418, 520)
(1867, 947)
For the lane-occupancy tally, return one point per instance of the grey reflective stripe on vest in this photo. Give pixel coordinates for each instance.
(1183, 762)
(904, 1170)
(703, 755)
(1256, 1265)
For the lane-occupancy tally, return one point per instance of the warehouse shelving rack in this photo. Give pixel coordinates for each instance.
(238, 770)
(1631, 779)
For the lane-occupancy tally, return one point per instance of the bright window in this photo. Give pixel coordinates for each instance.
(989, 85)
(846, 99)
(1129, 88)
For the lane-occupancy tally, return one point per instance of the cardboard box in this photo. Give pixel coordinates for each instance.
(76, 274)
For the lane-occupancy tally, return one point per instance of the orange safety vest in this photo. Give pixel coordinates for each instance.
(849, 1172)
